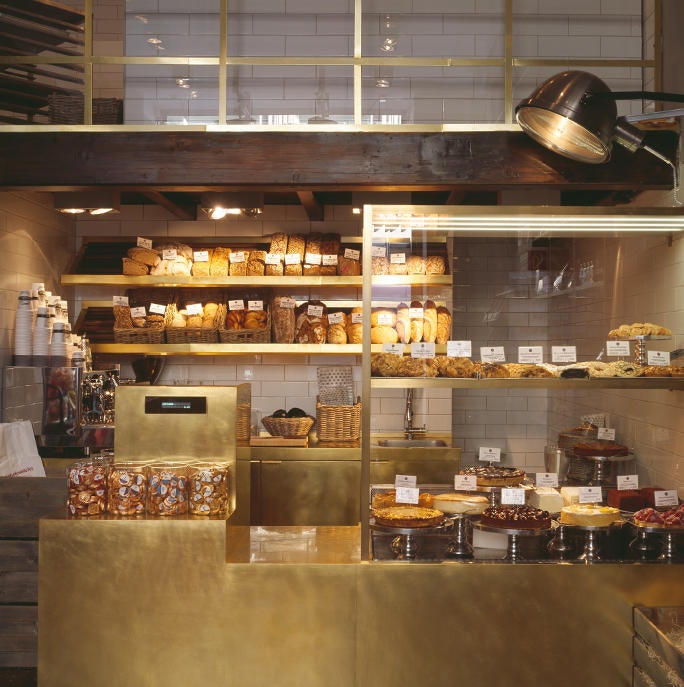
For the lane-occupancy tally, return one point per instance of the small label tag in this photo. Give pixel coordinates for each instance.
(658, 358)
(665, 498)
(625, 482)
(407, 495)
(335, 317)
(288, 303)
(459, 349)
(511, 496)
(200, 256)
(143, 243)
(357, 317)
(398, 258)
(546, 479)
(237, 256)
(138, 312)
(465, 482)
(385, 318)
(314, 310)
(395, 348)
(617, 349)
(236, 304)
(378, 251)
(492, 354)
(255, 305)
(354, 254)
(293, 259)
(423, 349)
(490, 454)
(169, 254)
(157, 309)
(589, 494)
(416, 313)
(194, 309)
(531, 355)
(607, 433)
(329, 260)
(563, 354)
(120, 300)
(312, 258)
(273, 259)
(405, 481)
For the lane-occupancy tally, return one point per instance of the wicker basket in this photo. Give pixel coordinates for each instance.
(143, 335)
(68, 109)
(339, 423)
(176, 335)
(294, 427)
(246, 335)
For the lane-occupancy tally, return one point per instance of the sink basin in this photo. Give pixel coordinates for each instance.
(412, 443)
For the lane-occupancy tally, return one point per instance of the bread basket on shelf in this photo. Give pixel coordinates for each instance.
(294, 427)
(204, 334)
(261, 335)
(142, 335)
(338, 422)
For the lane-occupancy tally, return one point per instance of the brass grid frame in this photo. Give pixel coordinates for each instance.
(508, 62)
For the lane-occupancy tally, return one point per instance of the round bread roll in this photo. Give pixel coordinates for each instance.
(383, 316)
(337, 334)
(384, 334)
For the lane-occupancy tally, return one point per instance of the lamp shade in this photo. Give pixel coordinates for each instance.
(572, 114)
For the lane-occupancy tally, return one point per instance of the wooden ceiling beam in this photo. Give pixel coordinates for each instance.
(314, 209)
(185, 212)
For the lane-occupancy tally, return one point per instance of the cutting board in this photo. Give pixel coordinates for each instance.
(278, 441)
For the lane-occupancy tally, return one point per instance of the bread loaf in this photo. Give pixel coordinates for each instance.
(380, 265)
(122, 317)
(403, 325)
(235, 319)
(397, 263)
(238, 263)
(443, 325)
(283, 319)
(209, 315)
(337, 334)
(133, 268)
(146, 256)
(348, 266)
(218, 267)
(278, 247)
(296, 245)
(330, 248)
(201, 268)
(256, 263)
(383, 316)
(355, 326)
(256, 319)
(311, 323)
(429, 321)
(383, 334)
(416, 314)
(435, 264)
(415, 264)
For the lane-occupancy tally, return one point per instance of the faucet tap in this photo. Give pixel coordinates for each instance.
(409, 429)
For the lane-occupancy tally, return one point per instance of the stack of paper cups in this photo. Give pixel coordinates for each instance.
(23, 330)
(58, 346)
(41, 338)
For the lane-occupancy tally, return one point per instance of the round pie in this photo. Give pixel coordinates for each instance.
(495, 475)
(408, 516)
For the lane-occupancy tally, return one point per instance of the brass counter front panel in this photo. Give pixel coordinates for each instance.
(155, 603)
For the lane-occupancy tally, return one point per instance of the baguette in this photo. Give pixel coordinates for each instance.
(443, 325)
(416, 321)
(429, 321)
(403, 325)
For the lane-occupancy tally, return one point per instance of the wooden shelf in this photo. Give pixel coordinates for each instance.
(218, 349)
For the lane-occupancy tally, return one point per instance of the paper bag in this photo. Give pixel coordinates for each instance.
(18, 451)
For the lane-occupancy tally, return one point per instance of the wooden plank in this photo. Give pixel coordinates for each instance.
(24, 500)
(279, 161)
(19, 636)
(18, 571)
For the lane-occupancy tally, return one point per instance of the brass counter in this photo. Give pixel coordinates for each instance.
(195, 602)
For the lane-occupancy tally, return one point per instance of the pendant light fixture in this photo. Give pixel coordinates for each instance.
(218, 205)
(91, 202)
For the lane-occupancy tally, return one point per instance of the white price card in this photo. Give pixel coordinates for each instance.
(169, 254)
(398, 258)
(329, 260)
(353, 254)
(138, 312)
(379, 251)
(416, 313)
(335, 317)
(492, 354)
(511, 496)
(546, 479)
(459, 349)
(665, 498)
(589, 494)
(617, 349)
(625, 482)
(195, 309)
(143, 243)
(465, 482)
(395, 348)
(658, 358)
(273, 259)
(312, 258)
(531, 355)
(606, 433)
(237, 256)
(357, 317)
(407, 495)
(288, 303)
(423, 349)
(255, 305)
(563, 354)
(120, 300)
(293, 258)
(314, 311)
(490, 454)
(386, 318)
(405, 481)
(157, 309)
(236, 304)
(200, 256)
